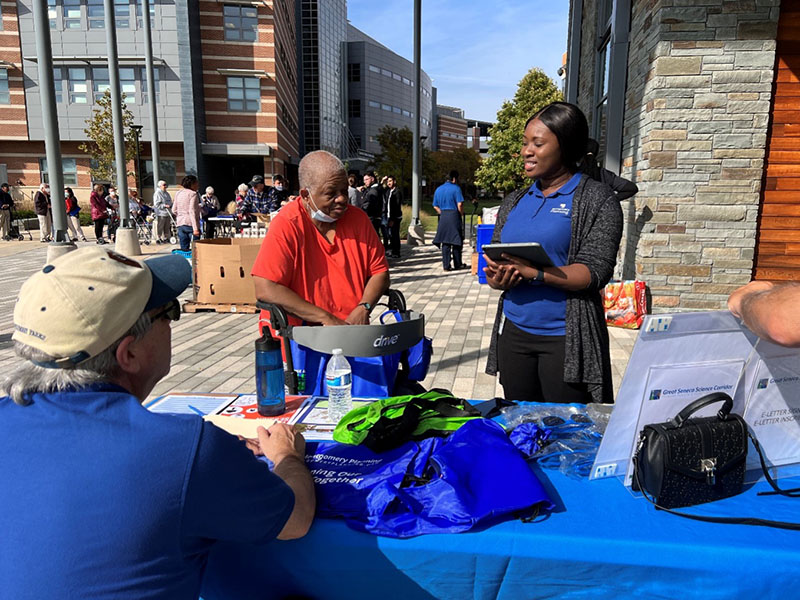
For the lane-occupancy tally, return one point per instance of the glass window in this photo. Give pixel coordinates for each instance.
(374, 69)
(127, 84)
(52, 13)
(5, 96)
(397, 77)
(138, 6)
(100, 81)
(374, 104)
(386, 72)
(397, 110)
(166, 172)
(406, 113)
(69, 167)
(599, 114)
(244, 94)
(156, 82)
(72, 14)
(241, 23)
(354, 72)
(354, 108)
(78, 87)
(122, 14)
(95, 14)
(604, 14)
(58, 83)
(406, 80)
(386, 107)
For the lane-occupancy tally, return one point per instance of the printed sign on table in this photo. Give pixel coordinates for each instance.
(671, 388)
(773, 410)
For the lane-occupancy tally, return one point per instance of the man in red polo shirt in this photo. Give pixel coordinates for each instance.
(321, 259)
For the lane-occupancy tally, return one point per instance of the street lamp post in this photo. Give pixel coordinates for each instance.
(137, 132)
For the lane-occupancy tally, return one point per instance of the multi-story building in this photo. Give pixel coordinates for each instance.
(451, 128)
(226, 88)
(478, 136)
(322, 52)
(380, 91)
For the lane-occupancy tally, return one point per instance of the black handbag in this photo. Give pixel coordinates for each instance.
(690, 461)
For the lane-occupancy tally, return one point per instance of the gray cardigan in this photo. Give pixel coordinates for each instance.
(596, 232)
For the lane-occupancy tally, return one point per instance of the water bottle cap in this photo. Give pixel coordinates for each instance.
(336, 352)
(267, 343)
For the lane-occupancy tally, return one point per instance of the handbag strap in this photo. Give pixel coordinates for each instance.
(730, 520)
(723, 412)
(792, 493)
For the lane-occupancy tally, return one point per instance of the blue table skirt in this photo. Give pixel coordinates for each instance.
(601, 542)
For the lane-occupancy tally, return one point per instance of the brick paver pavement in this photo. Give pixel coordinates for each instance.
(213, 352)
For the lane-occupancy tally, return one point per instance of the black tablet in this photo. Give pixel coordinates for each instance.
(531, 251)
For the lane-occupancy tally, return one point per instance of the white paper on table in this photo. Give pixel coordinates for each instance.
(773, 409)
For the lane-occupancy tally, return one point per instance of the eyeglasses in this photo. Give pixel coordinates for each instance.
(171, 311)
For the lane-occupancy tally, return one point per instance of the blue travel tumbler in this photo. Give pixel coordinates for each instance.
(269, 376)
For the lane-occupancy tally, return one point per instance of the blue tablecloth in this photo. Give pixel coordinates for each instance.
(601, 542)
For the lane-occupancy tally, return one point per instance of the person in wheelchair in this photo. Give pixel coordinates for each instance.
(321, 259)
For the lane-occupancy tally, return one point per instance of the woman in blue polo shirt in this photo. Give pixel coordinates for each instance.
(550, 342)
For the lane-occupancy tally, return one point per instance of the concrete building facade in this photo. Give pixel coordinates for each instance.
(380, 91)
(226, 88)
(695, 103)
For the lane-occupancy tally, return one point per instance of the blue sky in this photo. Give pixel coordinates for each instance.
(476, 51)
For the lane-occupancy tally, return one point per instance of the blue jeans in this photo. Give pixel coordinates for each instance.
(185, 237)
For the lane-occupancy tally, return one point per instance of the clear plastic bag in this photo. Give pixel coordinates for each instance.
(575, 431)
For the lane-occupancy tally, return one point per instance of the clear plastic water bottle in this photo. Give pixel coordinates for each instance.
(338, 378)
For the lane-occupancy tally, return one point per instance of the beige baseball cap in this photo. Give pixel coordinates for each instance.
(85, 300)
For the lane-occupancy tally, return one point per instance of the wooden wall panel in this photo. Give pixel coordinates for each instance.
(777, 253)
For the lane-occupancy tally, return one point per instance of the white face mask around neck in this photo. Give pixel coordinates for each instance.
(318, 215)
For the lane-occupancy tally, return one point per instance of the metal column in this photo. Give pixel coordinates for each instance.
(151, 95)
(52, 142)
(127, 241)
(416, 234)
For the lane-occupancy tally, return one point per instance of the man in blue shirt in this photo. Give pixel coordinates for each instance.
(448, 202)
(100, 498)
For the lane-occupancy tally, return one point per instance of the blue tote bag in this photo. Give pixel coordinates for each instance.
(476, 476)
(373, 376)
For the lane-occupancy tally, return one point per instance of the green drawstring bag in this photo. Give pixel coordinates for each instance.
(387, 423)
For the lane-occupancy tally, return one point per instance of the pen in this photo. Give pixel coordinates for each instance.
(196, 410)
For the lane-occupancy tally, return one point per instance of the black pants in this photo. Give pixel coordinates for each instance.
(378, 225)
(455, 251)
(98, 228)
(209, 227)
(532, 368)
(393, 243)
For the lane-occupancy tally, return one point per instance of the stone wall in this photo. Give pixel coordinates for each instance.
(696, 116)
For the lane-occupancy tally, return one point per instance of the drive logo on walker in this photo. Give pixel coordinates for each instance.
(700, 389)
(383, 341)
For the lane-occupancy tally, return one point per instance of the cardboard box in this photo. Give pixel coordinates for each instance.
(222, 270)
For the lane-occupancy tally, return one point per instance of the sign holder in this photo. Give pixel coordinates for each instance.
(678, 358)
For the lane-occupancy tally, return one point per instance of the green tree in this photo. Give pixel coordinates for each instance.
(502, 170)
(396, 157)
(464, 160)
(100, 131)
